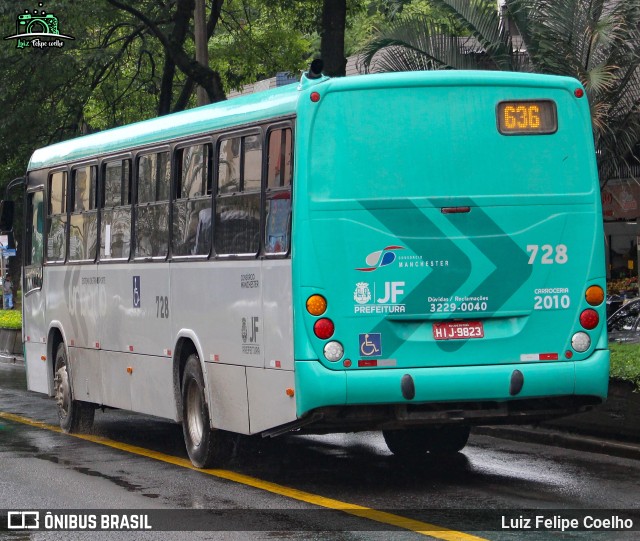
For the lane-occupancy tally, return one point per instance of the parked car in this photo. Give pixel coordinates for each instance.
(624, 324)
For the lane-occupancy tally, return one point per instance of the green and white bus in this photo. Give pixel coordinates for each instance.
(414, 253)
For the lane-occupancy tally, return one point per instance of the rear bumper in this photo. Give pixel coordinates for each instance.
(475, 394)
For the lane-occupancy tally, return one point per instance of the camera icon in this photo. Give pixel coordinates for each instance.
(23, 520)
(28, 23)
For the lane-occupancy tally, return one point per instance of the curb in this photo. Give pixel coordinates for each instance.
(577, 442)
(10, 343)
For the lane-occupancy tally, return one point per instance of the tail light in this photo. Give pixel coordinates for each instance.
(316, 305)
(594, 295)
(324, 328)
(589, 320)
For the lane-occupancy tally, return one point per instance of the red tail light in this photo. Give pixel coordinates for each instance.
(589, 319)
(323, 328)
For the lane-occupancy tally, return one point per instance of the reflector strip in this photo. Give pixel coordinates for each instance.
(455, 210)
(387, 362)
(367, 362)
(539, 357)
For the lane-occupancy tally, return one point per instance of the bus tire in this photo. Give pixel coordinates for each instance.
(410, 443)
(205, 446)
(449, 439)
(74, 415)
(416, 442)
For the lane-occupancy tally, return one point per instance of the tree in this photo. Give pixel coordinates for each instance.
(172, 34)
(595, 41)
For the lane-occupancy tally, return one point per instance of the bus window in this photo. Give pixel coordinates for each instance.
(252, 173)
(152, 208)
(229, 166)
(34, 238)
(83, 226)
(35, 226)
(115, 227)
(278, 192)
(279, 159)
(192, 208)
(84, 189)
(57, 218)
(237, 228)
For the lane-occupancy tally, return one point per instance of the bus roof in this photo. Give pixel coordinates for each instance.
(238, 111)
(265, 105)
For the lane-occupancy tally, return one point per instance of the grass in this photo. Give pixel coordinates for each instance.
(10, 319)
(625, 362)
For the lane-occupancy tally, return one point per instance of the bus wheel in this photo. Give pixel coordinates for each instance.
(409, 443)
(205, 446)
(416, 442)
(448, 439)
(74, 415)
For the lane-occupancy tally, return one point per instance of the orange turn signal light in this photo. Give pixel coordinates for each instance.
(316, 305)
(594, 295)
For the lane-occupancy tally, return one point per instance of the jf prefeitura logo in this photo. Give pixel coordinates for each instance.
(38, 29)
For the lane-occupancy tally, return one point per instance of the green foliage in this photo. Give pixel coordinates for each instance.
(10, 319)
(116, 70)
(255, 43)
(625, 362)
(373, 17)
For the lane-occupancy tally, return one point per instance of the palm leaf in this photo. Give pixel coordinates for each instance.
(415, 43)
(483, 21)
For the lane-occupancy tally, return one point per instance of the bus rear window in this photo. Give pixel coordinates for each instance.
(445, 142)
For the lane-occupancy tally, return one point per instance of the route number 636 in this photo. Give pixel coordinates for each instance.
(548, 254)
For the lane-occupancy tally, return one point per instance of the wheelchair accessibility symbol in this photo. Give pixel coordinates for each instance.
(136, 291)
(370, 345)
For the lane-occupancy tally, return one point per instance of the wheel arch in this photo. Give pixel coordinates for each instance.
(55, 337)
(187, 344)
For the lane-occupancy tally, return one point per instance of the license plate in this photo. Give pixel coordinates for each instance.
(458, 330)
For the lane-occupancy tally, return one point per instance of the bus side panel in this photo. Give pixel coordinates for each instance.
(117, 382)
(39, 372)
(228, 401)
(138, 299)
(142, 383)
(86, 374)
(270, 405)
(75, 298)
(277, 310)
(152, 386)
(221, 304)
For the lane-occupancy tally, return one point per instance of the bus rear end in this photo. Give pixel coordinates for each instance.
(448, 259)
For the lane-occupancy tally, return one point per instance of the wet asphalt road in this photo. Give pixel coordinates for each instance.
(43, 469)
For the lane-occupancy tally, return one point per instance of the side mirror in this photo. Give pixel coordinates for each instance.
(7, 209)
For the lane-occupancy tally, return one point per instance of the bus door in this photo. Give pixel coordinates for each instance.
(34, 331)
